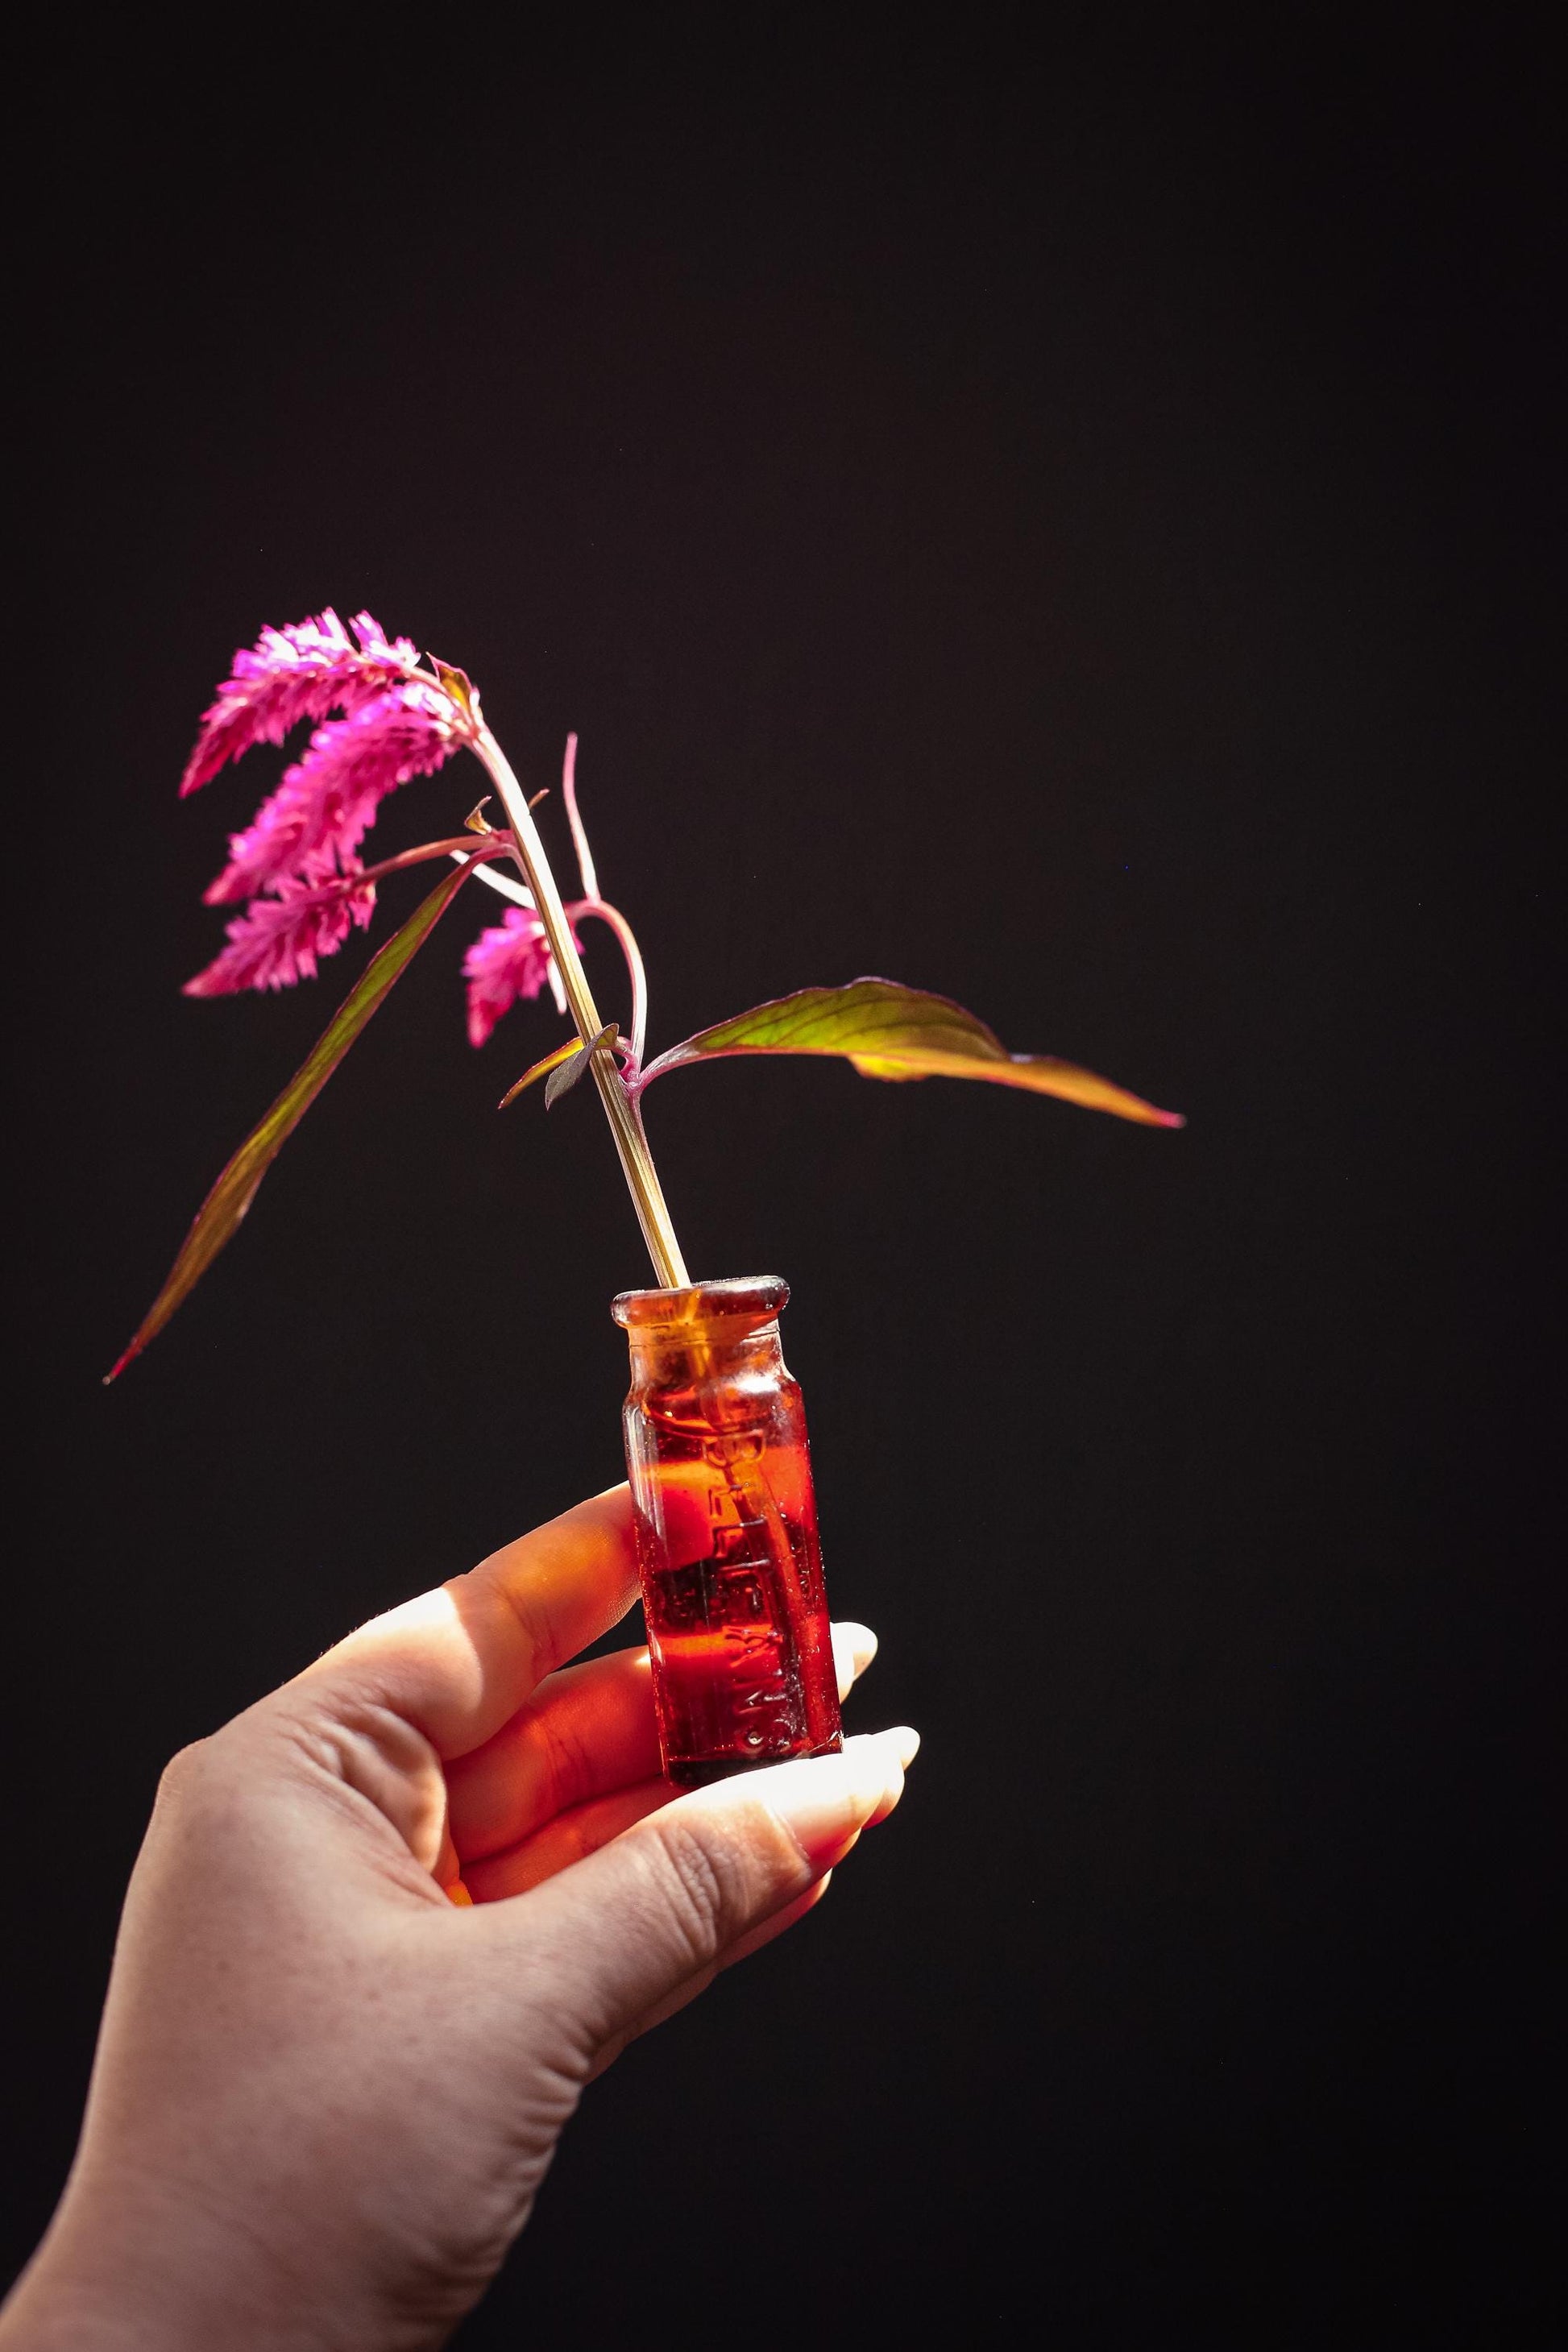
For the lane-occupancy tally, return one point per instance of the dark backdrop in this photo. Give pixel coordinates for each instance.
(1068, 518)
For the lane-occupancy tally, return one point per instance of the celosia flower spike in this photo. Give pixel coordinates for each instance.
(277, 940)
(311, 827)
(509, 960)
(302, 671)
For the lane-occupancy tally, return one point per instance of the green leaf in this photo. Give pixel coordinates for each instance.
(887, 1031)
(231, 1196)
(458, 685)
(541, 1069)
(561, 1081)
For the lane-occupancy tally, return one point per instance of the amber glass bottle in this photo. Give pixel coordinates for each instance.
(726, 1530)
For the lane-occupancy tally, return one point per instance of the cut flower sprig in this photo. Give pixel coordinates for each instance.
(298, 869)
(616, 1095)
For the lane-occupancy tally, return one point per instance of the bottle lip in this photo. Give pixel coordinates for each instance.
(755, 1294)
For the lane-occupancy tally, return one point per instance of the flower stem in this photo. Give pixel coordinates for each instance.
(635, 972)
(636, 1160)
(579, 836)
(463, 850)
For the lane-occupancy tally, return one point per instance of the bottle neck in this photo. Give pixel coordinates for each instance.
(721, 1350)
(704, 1344)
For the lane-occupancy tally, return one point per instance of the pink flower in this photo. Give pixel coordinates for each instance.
(298, 672)
(311, 827)
(511, 960)
(277, 941)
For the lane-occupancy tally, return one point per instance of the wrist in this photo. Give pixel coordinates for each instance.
(138, 2268)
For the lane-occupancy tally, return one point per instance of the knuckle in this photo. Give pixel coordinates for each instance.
(705, 1885)
(181, 1773)
(722, 1873)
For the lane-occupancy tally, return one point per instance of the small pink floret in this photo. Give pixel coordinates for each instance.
(312, 826)
(301, 671)
(277, 941)
(509, 960)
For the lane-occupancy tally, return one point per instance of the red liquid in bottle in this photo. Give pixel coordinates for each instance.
(726, 1528)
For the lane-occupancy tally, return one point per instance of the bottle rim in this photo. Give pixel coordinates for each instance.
(757, 1296)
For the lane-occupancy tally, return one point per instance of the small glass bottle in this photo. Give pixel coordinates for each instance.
(726, 1531)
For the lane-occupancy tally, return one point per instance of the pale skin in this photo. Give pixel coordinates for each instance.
(327, 2087)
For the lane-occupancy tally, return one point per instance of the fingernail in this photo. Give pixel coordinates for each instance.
(853, 1648)
(827, 1802)
(856, 1637)
(897, 1746)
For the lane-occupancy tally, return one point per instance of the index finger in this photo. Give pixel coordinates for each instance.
(459, 1661)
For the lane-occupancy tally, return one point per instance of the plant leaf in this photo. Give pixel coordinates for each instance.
(562, 1080)
(888, 1031)
(541, 1069)
(458, 685)
(231, 1196)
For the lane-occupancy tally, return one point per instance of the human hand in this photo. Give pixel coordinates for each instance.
(327, 2086)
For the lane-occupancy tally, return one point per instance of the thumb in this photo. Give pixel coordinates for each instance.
(664, 1903)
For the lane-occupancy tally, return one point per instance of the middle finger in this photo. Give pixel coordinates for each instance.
(587, 1731)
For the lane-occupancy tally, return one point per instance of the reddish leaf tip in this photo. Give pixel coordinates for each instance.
(225, 1205)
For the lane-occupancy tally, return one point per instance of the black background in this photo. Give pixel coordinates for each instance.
(1069, 517)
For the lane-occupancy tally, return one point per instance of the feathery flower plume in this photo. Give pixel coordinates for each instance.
(311, 827)
(277, 941)
(509, 960)
(298, 672)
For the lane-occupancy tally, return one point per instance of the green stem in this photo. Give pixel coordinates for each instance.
(636, 1160)
(633, 954)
